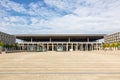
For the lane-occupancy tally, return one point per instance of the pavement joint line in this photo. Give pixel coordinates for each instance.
(59, 72)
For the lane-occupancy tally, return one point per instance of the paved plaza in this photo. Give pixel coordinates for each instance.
(85, 65)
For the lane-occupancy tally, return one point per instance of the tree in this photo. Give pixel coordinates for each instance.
(118, 45)
(1, 44)
(106, 45)
(113, 45)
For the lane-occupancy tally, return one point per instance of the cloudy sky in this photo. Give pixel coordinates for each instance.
(59, 16)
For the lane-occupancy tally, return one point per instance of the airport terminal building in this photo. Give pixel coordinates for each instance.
(59, 42)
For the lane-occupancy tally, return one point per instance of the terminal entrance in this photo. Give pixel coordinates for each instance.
(34, 48)
(61, 47)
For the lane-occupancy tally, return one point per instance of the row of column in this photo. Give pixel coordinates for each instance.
(75, 47)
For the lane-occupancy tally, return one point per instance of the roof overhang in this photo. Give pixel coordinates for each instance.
(82, 36)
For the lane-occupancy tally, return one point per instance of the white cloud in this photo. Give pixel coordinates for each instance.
(87, 16)
(33, 9)
(10, 5)
(76, 24)
(39, 10)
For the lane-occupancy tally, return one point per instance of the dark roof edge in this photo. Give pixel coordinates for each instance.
(59, 34)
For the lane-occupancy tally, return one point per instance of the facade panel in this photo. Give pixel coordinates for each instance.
(7, 39)
(112, 38)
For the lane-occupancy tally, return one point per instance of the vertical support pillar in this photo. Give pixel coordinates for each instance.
(52, 47)
(81, 47)
(27, 46)
(33, 46)
(31, 39)
(42, 46)
(50, 39)
(66, 46)
(76, 47)
(69, 39)
(92, 47)
(37, 45)
(72, 46)
(96, 46)
(87, 39)
(86, 47)
(23, 46)
(47, 46)
(20, 46)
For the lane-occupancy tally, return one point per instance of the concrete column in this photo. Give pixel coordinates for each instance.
(27, 46)
(96, 46)
(23, 47)
(31, 39)
(86, 47)
(72, 46)
(67, 47)
(69, 39)
(92, 47)
(87, 39)
(42, 45)
(19, 47)
(81, 47)
(50, 39)
(76, 47)
(37, 45)
(33, 46)
(52, 47)
(47, 47)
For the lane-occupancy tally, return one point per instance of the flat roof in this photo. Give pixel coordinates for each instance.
(80, 36)
(59, 35)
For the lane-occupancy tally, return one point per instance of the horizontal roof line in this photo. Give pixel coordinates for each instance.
(59, 34)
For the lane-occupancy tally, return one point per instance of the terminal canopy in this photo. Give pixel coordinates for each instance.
(60, 37)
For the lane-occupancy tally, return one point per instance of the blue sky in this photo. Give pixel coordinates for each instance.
(59, 16)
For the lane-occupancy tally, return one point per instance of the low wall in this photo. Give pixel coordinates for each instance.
(14, 51)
